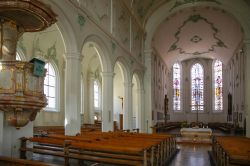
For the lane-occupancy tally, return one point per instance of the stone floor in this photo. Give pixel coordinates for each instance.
(192, 155)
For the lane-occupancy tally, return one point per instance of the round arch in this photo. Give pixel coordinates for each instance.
(65, 28)
(102, 50)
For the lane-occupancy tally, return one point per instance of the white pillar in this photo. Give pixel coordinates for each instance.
(72, 94)
(91, 80)
(128, 109)
(11, 142)
(107, 101)
(148, 90)
(141, 113)
(86, 103)
(247, 86)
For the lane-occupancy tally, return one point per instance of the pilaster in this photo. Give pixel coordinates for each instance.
(91, 80)
(128, 114)
(107, 101)
(149, 54)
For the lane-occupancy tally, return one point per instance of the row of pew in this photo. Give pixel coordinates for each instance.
(43, 130)
(231, 150)
(9, 161)
(163, 127)
(118, 148)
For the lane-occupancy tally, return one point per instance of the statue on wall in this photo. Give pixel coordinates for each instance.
(166, 108)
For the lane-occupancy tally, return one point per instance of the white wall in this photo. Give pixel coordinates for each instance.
(236, 87)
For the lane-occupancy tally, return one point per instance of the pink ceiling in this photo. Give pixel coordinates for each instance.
(197, 32)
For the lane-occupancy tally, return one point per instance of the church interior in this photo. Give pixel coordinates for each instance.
(125, 82)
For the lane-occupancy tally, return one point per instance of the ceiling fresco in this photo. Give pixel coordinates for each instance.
(203, 31)
(194, 39)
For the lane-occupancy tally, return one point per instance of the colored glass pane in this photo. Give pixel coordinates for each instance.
(197, 86)
(176, 87)
(218, 85)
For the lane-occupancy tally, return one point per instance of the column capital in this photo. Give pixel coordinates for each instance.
(128, 84)
(73, 55)
(108, 74)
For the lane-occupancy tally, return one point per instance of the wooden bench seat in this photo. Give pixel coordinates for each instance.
(10, 161)
(110, 147)
(231, 150)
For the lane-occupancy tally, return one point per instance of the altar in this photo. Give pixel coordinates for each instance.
(197, 135)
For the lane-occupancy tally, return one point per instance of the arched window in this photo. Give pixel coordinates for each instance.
(18, 58)
(176, 87)
(218, 85)
(197, 86)
(50, 87)
(82, 95)
(96, 95)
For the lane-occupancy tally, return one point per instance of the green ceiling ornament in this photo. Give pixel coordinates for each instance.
(196, 39)
(183, 2)
(113, 46)
(81, 20)
(51, 53)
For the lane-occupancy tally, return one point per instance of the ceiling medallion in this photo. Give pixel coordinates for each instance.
(194, 19)
(195, 39)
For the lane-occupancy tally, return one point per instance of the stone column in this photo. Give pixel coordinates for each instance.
(148, 90)
(141, 113)
(107, 101)
(247, 85)
(128, 110)
(72, 94)
(91, 109)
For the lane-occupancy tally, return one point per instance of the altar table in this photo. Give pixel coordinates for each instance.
(196, 134)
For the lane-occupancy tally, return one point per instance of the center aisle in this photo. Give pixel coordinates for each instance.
(192, 155)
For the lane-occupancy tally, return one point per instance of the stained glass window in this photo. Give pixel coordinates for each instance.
(18, 58)
(218, 85)
(96, 95)
(50, 87)
(197, 86)
(176, 87)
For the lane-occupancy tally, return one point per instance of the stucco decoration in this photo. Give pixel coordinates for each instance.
(136, 42)
(81, 20)
(183, 2)
(100, 10)
(182, 36)
(113, 46)
(194, 32)
(47, 54)
(144, 8)
(122, 29)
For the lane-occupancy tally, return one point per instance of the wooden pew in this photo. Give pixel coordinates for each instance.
(139, 149)
(10, 161)
(231, 151)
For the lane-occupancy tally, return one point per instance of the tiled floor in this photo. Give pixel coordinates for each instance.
(192, 155)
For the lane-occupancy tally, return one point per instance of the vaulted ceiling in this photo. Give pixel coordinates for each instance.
(196, 31)
(202, 31)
